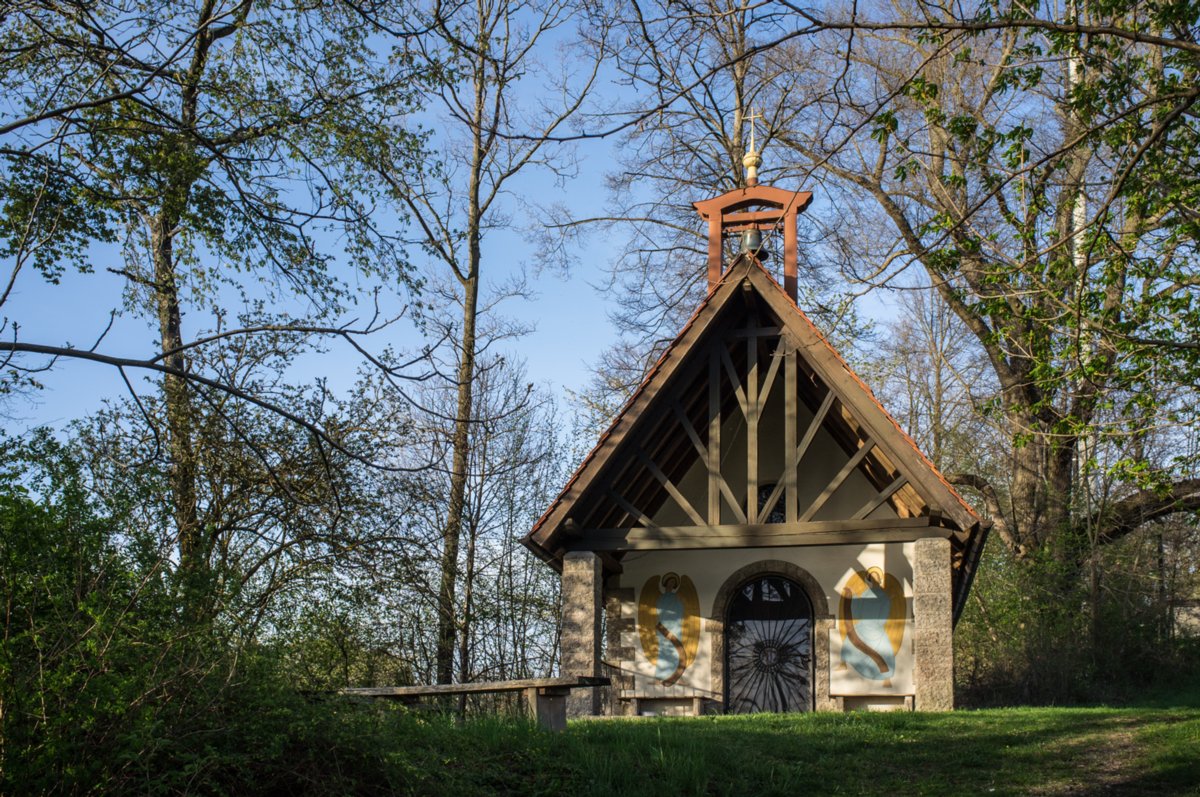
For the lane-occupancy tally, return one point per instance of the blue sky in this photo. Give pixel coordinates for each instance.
(568, 314)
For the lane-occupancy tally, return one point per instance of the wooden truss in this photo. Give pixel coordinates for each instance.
(750, 361)
(688, 429)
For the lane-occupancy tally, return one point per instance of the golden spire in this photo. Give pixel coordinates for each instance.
(751, 161)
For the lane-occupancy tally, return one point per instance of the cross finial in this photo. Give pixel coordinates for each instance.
(750, 117)
(752, 161)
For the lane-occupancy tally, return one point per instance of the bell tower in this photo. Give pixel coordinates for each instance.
(750, 212)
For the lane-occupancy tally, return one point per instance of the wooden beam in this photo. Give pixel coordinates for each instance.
(714, 251)
(734, 530)
(750, 216)
(670, 487)
(411, 692)
(611, 563)
(791, 408)
(714, 438)
(878, 500)
(714, 514)
(734, 378)
(814, 427)
(755, 332)
(769, 380)
(734, 505)
(690, 431)
(789, 468)
(837, 481)
(790, 254)
(632, 510)
(825, 532)
(752, 411)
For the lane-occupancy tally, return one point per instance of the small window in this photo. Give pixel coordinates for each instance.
(776, 514)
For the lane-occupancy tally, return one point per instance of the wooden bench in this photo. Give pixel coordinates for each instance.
(545, 697)
(700, 698)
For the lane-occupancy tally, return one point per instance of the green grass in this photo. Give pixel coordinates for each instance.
(1152, 749)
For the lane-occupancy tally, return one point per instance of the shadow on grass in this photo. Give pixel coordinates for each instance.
(1016, 751)
(1043, 751)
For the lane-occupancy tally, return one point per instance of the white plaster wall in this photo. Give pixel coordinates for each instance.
(709, 569)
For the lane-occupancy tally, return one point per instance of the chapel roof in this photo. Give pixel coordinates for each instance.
(947, 513)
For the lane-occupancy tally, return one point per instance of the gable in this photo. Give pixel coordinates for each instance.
(750, 431)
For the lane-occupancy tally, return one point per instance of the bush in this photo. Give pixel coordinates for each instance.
(106, 687)
(1049, 631)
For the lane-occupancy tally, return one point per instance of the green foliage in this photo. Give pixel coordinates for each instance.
(84, 620)
(230, 147)
(105, 686)
(48, 218)
(1044, 631)
(331, 645)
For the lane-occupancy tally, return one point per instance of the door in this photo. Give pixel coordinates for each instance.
(768, 647)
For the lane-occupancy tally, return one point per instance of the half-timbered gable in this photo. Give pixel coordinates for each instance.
(761, 532)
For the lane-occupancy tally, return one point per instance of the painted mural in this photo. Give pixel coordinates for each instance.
(669, 625)
(869, 639)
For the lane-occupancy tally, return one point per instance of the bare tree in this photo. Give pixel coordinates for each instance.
(488, 49)
(936, 383)
(515, 462)
(696, 80)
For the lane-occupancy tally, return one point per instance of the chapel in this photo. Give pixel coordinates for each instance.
(754, 532)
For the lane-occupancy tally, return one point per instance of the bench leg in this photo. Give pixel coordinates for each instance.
(548, 707)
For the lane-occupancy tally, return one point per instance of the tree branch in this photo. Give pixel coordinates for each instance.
(1128, 514)
(995, 511)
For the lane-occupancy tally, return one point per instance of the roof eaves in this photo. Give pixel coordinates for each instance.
(530, 539)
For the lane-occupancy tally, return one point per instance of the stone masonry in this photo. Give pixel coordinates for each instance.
(581, 602)
(620, 618)
(933, 636)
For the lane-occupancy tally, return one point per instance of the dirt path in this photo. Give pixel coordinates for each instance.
(1102, 763)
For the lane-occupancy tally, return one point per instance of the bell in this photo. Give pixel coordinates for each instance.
(752, 243)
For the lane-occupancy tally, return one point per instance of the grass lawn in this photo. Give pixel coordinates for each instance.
(1147, 749)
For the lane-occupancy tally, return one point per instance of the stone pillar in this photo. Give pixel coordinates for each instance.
(822, 700)
(620, 614)
(580, 641)
(933, 636)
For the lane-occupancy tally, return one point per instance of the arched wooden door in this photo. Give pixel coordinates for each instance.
(768, 647)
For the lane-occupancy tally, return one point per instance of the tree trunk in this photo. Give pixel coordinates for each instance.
(464, 642)
(461, 439)
(181, 444)
(181, 475)
(461, 449)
